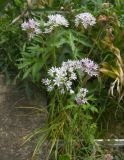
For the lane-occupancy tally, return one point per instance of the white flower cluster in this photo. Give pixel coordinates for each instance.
(63, 77)
(55, 21)
(86, 19)
(81, 96)
(32, 27)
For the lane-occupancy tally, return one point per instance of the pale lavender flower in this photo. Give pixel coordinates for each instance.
(25, 26)
(62, 91)
(72, 65)
(57, 20)
(30, 24)
(58, 81)
(62, 78)
(32, 27)
(37, 31)
(81, 96)
(83, 91)
(46, 81)
(50, 88)
(33, 24)
(52, 71)
(48, 30)
(71, 91)
(73, 76)
(81, 101)
(86, 19)
(68, 85)
(90, 67)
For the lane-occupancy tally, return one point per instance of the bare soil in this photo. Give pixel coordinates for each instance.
(15, 122)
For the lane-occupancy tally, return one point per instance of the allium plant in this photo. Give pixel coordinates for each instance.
(86, 19)
(69, 105)
(69, 108)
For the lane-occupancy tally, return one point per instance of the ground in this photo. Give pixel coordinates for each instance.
(15, 123)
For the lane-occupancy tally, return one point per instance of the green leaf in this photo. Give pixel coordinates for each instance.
(18, 2)
(94, 109)
(64, 157)
(24, 64)
(35, 69)
(70, 106)
(26, 74)
(85, 42)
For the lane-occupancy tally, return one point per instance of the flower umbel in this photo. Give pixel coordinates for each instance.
(55, 20)
(81, 96)
(90, 67)
(86, 19)
(62, 78)
(32, 27)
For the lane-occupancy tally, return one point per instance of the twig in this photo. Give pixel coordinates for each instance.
(29, 6)
(20, 16)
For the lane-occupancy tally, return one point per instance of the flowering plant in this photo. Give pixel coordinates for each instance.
(69, 100)
(58, 37)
